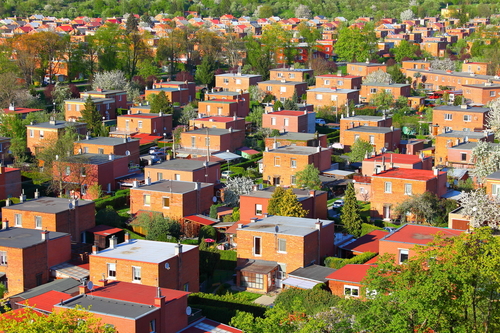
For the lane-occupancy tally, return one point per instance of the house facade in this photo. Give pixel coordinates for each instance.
(290, 121)
(184, 170)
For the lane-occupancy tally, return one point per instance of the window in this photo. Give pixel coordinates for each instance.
(139, 125)
(340, 83)
(403, 255)
(280, 74)
(293, 163)
(207, 142)
(159, 175)
(448, 116)
(41, 134)
(127, 153)
(258, 209)
(372, 139)
(373, 90)
(166, 202)
(257, 246)
(282, 245)
(277, 161)
(85, 149)
(112, 271)
(83, 189)
(495, 189)
(18, 220)
(273, 121)
(319, 96)
(136, 274)
(327, 82)
(238, 81)
(39, 279)
(119, 97)
(147, 199)
(38, 222)
(356, 137)
(185, 287)
(291, 75)
(100, 150)
(68, 171)
(388, 91)
(285, 122)
(464, 157)
(226, 81)
(77, 107)
(219, 111)
(293, 180)
(83, 172)
(32, 133)
(362, 190)
(408, 189)
(351, 291)
(388, 187)
(177, 176)
(252, 280)
(269, 88)
(152, 325)
(282, 89)
(492, 94)
(3, 258)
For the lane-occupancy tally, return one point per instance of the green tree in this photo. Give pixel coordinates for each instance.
(383, 100)
(205, 72)
(160, 103)
(92, 117)
(207, 231)
(159, 228)
(351, 217)
(359, 149)
(105, 41)
(255, 116)
(108, 216)
(426, 208)
(354, 44)
(308, 178)
(131, 24)
(285, 203)
(405, 50)
(450, 285)
(397, 75)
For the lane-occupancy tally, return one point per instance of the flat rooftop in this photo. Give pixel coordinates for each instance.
(419, 234)
(471, 145)
(211, 131)
(363, 117)
(142, 115)
(167, 89)
(181, 165)
(369, 64)
(143, 250)
(288, 113)
(171, 186)
(223, 93)
(458, 108)
(96, 100)
(294, 226)
(20, 238)
(279, 82)
(333, 91)
(463, 134)
(395, 158)
(105, 141)
(411, 174)
(298, 136)
(339, 76)
(238, 75)
(103, 92)
(268, 192)
(109, 306)
(372, 129)
(46, 205)
(494, 175)
(303, 70)
(218, 119)
(56, 124)
(95, 159)
(296, 150)
(382, 84)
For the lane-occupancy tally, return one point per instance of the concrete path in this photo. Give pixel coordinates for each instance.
(265, 300)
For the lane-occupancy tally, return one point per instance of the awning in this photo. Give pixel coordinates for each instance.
(299, 283)
(228, 156)
(67, 270)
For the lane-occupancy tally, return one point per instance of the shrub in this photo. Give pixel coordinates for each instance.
(108, 216)
(117, 201)
(312, 301)
(337, 263)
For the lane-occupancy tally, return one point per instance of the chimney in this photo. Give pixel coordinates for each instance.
(318, 149)
(318, 224)
(275, 145)
(52, 121)
(253, 220)
(21, 198)
(12, 107)
(178, 249)
(127, 237)
(94, 249)
(436, 172)
(103, 281)
(197, 186)
(230, 130)
(234, 117)
(7, 202)
(45, 235)
(159, 299)
(82, 289)
(463, 106)
(240, 225)
(5, 224)
(112, 242)
(266, 215)
(135, 184)
(87, 137)
(312, 193)
(111, 157)
(148, 181)
(392, 128)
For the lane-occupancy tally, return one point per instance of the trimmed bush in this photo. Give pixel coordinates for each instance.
(13, 200)
(118, 201)
(337, 263)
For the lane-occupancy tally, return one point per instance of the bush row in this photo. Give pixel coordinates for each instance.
(252, 163)
(118, 201)
(337, 263)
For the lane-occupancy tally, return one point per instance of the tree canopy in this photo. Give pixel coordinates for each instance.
(351, 217)
(285, 203)
(308, 178)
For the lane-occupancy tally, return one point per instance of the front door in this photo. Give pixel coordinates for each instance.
(387, 212)
(276, 181)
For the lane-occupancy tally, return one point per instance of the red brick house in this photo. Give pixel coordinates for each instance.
(282, 163)
(255, 203)
(40, 135)
(236, 82)
(460, 118)
(369, 90)
(283, 89)
(362, 120)
(291, 74)
(297, 139)
(290, 121)
(272, 247)
(346, 281)
(26, 256)
(73, 108)
(364, 68)
(237, 123)
(225, 103)
(145, 262)
(332, 97)
(159, 124)
(381, 138)
(460, 156)
(449, 139)
(366, 243)
(10, 182)
(53, 214)
(197, 142)
(391, 187)
(187, 170)
(172, 198)
(190, 86)
(119, 97)
(339, 81)
(175, 95)
(481, 93)
(401, 242)
(107, 145)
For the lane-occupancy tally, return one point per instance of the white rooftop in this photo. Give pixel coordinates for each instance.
(143, 250)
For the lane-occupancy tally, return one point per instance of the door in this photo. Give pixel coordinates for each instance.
(280, 275)
(387, 212)
(276, 181)
(126, 125)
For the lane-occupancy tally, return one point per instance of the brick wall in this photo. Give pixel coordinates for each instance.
(338, 81)
(120, 149)
(322, 140)
(367, 93)
(229, 141)
(11, 183)
(388, 140)
(457, 121)
(212, 172)
(238, 124)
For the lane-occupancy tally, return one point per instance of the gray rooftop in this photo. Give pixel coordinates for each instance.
(291, 70)
(20, 238)
(330, 90)
(296, 150)
(298, 136)
(494, 175)
(463, 134)
(105, 141)
(167, 89)
(238, 75)
(372, 129)
(172, 186)
(143, 250)
(223, 93)
(212, 131)
(485, 86)
(46, 205)
(365, 64)
(471, 145)
(383, 84)
(96, 159)
(460, 109)
(286, 83)
(68, 286)
(96, 100)
(104, 92)
(108, 306)
(313, 272)
(181, 164)
(268, 192)
(363, 117)
(56, 125)
(457, 74)
(294, 226)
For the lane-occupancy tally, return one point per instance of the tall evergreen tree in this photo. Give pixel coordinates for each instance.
(92, 117)
(351, 218)
(161, 103)
(205, 72)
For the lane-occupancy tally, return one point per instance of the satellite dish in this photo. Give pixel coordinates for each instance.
(167, 265)
(214, 199)
(70, 205)
(90, 285)
(189, 311)
(276, 229)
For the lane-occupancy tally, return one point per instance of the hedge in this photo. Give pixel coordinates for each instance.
(13, 200)
(337, 263)
(252, 163)
(227, 260)
(118, 201)
(223, 307)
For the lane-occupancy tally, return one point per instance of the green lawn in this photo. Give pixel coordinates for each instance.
(364, 208)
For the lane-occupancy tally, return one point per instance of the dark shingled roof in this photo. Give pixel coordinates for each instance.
(313, 272)
(63, 285)
(20, 238)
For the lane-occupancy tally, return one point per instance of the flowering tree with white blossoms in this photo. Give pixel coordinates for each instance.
(378, 77)
(486, 159)
(493, 117)
(443, 64)
(235, 187)
(481, 209)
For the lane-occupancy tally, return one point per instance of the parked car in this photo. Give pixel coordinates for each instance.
(338, 203)
(158, 155)
(153, 149)
(320, 121)
(390, 229)
(227, 174)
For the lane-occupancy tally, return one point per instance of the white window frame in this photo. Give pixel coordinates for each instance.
(403, 252)
(68, 171)
(319, 96)
(293, 180)
(277, 161)
(495, 189)
(136, 274)
(348, 291)
(373, 90)
(408, 189)
(467, 118)
(111, 270)
(388, 187)
(139, 124)
(492, 93)
(41, 134)
(38, 222)
(293, 163)
(146, 198)
(32, 133)
(18, 220)
(286, 122)
(3, 258)
(448, 116)
(258, 209)
(371, 139)
(260, 247)
(269, 88)
(326, 82)
(282, 89)
(281, 245)
(273, 121)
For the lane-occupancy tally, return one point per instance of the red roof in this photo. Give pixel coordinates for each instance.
(217, 119)
(248, 151)
(350, 273)
(288, 113)
(372, 261)
(21, 110)
(146, 138)
(104, 230)
(367, 243)
(137, 293)
(19, 314)
(46, 301)
(419, 234)
(413, 174)
(208, 326)
(200, 219)
(396, 158)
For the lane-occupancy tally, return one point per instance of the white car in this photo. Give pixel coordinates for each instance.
(153, 150)
(320, 121)
(338, 203)
(227, 174)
